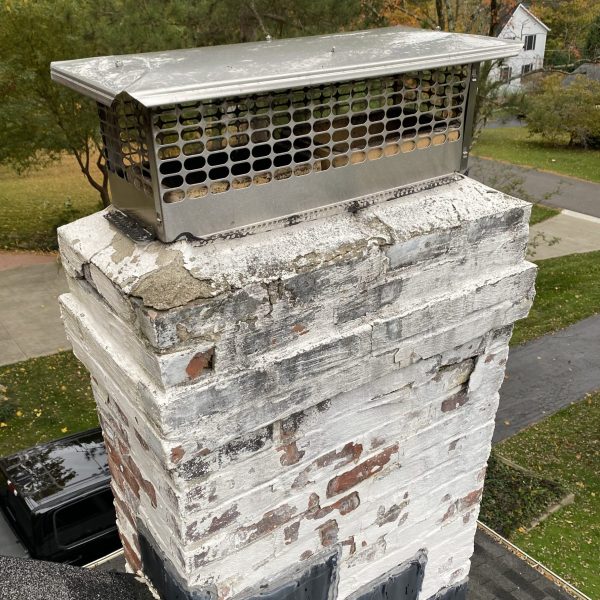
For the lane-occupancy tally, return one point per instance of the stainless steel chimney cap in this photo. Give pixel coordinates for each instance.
(231, 140)
(159, 78)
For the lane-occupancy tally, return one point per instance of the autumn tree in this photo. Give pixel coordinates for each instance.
(570, 22)
(40, 121)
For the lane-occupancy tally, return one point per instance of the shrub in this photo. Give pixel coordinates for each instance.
(562, 108)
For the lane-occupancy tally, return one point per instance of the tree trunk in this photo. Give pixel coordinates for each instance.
(493, 17)
(104, 195)
(439, 9)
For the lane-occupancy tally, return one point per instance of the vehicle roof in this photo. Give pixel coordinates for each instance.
(159, 78)
(46, 472)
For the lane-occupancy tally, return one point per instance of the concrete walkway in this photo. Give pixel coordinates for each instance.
(559, 191)
(574, 231)
(30, 322)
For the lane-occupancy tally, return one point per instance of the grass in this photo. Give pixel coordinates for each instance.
(514, 497)
(567, 290)
(43, 399)
(33, 205)
(566, 448)
(515, 145)
(540, 213)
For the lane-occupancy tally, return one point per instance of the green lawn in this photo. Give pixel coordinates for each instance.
(514, 497)
(567, 290)
(43, 399)
(515, 145)
(566, 448)
(33, 205)
(540, 213)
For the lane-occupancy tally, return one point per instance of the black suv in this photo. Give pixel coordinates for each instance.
(56, 496)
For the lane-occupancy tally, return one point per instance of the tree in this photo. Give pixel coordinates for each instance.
(560, 109)
(569, 22)
(464, 16)
(592, 44)
(40, 120)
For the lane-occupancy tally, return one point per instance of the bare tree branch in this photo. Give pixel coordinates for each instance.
(258, 18)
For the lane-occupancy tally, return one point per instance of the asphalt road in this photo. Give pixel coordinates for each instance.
(547, 374)
(547, 188)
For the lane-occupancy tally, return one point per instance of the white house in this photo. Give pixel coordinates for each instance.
(523, 25)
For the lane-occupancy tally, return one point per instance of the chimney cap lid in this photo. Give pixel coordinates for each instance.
(159, 78)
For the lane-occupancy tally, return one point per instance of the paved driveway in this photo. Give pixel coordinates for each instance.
(565, 192)
(30, 322)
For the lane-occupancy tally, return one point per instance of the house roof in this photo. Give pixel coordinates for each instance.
(496, 572)
(533, 16)
(37, 580)
(505, 18)
(159, 78)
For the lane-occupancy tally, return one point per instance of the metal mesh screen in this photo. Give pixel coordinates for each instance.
(209, 147)
(125, 129)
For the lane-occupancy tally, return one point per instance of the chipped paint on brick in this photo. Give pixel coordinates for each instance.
(344, 506)
(270, 520)
(364, 470)
(291, 532)
(291, 455)
(455, 401)
(177, 454)
(351, 544)
(391, 514)
(328, 533)
(199, 363)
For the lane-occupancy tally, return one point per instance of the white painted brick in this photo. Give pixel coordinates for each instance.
(350, 398)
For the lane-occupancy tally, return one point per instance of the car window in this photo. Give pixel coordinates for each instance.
(84, 518)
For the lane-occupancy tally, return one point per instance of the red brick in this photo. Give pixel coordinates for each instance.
(200, 362)
(291, 532)
(177, 454)
(131, 556)
(455, 401)
(364, 470)
(229, 516)
(291, 454)
(328, 532)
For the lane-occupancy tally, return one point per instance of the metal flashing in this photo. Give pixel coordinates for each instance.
(402, 583)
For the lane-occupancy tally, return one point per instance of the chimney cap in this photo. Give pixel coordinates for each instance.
(159, 78)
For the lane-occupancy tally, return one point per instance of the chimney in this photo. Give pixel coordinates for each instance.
(298, 396)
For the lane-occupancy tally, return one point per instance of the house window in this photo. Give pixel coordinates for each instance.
(529, 42)
(526, 69)
(505, 73)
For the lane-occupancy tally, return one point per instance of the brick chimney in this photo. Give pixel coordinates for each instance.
(306, 411)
